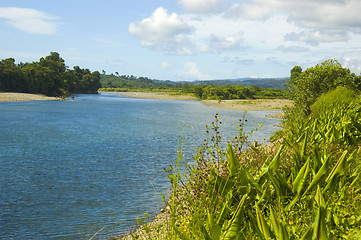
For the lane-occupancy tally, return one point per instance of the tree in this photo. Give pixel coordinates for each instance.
(49, 76)
(12, 78)
(53, 68)
(307, 86)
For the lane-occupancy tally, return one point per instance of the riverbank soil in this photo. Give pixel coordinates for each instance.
(16, 97)
(239, 104)
(159, 95)
(250, 104)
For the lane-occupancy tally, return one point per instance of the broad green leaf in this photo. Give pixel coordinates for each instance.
(336, 169)
(301, 178)
(318, 197)
(319, 228)
(283, 183)
(235, 223)
(317, 161)
(262, 224)
(233, 162)
(276, 185)
(275, 163)
(320, 175)
(253, 182)
(300, 138)
(215, 229)
(304, 146)
(279, 230)
(263, 169)
(265, 195)
(220, 186)
(205, 233)
(308, 234)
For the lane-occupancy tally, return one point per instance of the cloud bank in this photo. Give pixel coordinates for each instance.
(310, 22)
(30, 20)
(162, 31)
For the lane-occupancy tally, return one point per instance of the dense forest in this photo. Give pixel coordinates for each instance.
(48, 76)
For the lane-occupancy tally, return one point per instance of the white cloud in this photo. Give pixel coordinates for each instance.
(165, 65)
(297, 49)
(323, 14)
(321, 21)
(350, 58)
(315, 37)
(259, 28)
(30, 20)
(226, 43)
(243, 61)
(162, 31)
(354, 64)
(248, 11)
(201, 6)
(203, 47)
(192, 72)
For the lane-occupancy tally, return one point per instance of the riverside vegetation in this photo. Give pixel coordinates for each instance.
(304, 185)
(48, 76)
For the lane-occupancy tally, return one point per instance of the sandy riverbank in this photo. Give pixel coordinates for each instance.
(250, 105)
(16, 97)
(159, 95)
(242, 104)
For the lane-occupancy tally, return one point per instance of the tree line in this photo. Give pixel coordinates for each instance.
(212, 89)
(48, 76)
(132, 82)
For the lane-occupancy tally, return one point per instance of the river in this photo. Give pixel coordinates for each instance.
(70, 168)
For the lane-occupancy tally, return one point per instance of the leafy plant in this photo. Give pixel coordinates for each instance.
(292, 193)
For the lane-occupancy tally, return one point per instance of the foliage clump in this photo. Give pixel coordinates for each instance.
(307, 86)
(48, 76)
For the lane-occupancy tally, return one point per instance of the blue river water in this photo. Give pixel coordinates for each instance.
(70, 168)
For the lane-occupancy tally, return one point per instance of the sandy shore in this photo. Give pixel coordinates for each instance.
(243, 105)
(16, 97)
(250, 105)
(159, 95)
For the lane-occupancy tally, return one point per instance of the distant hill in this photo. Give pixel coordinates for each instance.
(277, 83)
(112, 81)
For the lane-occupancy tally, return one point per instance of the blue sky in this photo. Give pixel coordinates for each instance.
(184, 39)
